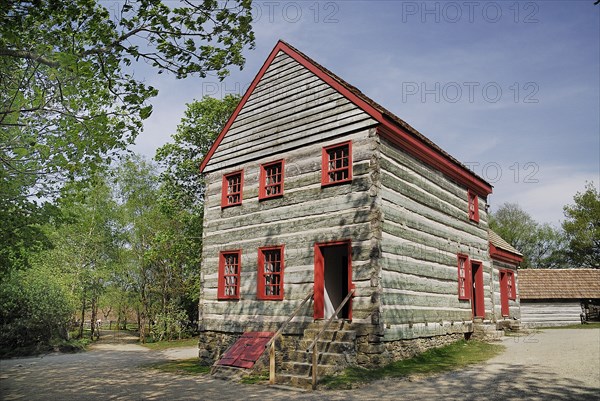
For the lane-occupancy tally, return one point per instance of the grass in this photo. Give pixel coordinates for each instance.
(595, 325)
(450, 357)
(64, 346)
(255, 378)
(161, 345)
(183, 366)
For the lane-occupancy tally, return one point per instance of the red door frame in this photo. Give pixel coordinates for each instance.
(504, 305)
(477, 295)
(319, 285)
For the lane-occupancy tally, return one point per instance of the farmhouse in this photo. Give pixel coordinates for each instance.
(558, 297)
(322, 205)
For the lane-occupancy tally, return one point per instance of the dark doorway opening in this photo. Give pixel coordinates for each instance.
(333, 279)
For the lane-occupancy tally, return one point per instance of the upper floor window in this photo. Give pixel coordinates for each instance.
(229, 275)
(464, 273)
(337, 164)
(271, 180)
(270, 273)
(232, 189)
(473, 206)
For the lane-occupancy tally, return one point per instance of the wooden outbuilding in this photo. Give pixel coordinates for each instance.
(315, 194)
(559, 297)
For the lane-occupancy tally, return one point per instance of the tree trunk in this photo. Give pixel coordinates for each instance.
(82, 317)
(93, 319)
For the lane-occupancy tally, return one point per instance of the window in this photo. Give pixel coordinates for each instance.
(270, 273)
(336, 164)
(464, 273)
(232, 189)
(229, 275)
(473, 207)
(510, 285)
(271, 180)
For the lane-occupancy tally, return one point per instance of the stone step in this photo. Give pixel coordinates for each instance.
(330, 335)
(228, 372)
(326, 358)
(334, 325)
(305, 368)
(299, 381)
(328, 346)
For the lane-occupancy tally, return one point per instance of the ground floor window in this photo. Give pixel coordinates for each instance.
(270, 273)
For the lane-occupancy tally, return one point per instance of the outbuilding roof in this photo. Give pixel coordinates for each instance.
(396, 129)
(559, 283)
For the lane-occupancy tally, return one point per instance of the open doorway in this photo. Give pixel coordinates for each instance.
(333, 279)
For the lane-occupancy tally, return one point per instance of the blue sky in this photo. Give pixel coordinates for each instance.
(510, 88)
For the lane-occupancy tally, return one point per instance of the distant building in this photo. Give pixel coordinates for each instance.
(557, 297)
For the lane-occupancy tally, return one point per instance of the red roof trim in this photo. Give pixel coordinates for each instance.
(389, 129)
(504, 256)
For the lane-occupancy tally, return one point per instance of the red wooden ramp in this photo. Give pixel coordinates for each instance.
(246, 350)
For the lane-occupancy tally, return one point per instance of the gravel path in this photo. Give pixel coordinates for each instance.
(550, 365)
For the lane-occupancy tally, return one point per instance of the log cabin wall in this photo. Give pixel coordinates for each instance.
(513, 304)
(425, 226)
(291, 115)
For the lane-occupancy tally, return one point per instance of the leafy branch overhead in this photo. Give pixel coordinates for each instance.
(69, 98)
(68, 94)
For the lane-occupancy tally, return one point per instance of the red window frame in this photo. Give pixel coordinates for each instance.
(464, 277)
(510, 285)
(271, 180)
(231, 192)
(270, 273)
(473, 206)
(230, 267)
(332, 171)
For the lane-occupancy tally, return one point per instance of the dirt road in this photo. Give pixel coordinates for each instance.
(551, 365)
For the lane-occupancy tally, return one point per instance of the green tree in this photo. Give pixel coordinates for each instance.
(137, 189)
(35, 308)
(182, 194)
(201, 124)
(85, 245)
(540, 244)
(582, 228)
(69, 99)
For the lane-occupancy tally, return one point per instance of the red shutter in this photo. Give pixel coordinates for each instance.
(473, 206)
(504, 294)
(464, 277)
(510, 281)
(319, 284)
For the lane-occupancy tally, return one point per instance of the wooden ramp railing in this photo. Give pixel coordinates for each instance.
(271, 343)
(313, 346)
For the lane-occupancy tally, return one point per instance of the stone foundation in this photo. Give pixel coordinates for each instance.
(405, 349)
(371, 351)
(212, 344)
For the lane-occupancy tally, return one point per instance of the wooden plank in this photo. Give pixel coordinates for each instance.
(419, 283)
(421, 169)
(408, 206)
(406, 332)
(397, 316)
(275, 132)
(299, 106)
(422, 299)
(298, 142)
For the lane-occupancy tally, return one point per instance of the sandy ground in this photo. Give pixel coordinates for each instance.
(550, 365)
